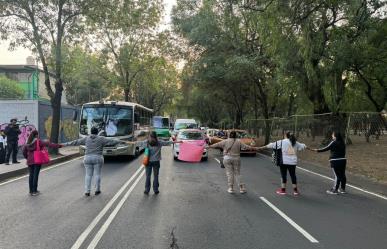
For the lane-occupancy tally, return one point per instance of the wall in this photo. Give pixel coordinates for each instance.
(69, 130)
(39, 115)
(20, 109)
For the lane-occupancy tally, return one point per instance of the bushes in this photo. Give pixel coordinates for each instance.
(9, 89)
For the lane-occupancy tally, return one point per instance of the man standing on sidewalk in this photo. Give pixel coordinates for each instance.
(12, 132)
(3, 146)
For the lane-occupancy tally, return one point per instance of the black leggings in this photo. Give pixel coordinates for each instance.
(292, 172)
(338, 167)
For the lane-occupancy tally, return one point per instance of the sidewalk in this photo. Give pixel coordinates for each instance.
(13, 170)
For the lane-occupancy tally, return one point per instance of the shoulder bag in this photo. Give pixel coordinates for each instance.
(277, 155)
(41, 154)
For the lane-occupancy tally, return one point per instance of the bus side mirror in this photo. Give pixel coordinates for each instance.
(75, 115)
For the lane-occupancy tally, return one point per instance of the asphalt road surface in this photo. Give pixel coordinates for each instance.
(193, 210)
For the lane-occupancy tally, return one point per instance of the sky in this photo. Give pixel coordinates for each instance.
(19, 55)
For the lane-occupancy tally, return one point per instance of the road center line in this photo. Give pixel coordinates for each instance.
(88, 230)
(107, 223)
(349, 185)
(290, 221)
(46, 169)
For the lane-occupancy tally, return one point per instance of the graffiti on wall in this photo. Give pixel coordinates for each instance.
(67, 128)
(25, 130)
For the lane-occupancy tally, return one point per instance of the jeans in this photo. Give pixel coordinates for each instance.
(34, 177)
(292, 172)
(11, 148)
(155, 166)
(2, 153)
(93, 165)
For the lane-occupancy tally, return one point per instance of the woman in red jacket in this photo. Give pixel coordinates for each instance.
(34, 168)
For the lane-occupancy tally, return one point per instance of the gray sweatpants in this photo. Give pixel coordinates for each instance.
(233, 171)
(93, 165)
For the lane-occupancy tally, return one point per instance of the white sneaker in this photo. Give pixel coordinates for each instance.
(341, 191)
(230, 190)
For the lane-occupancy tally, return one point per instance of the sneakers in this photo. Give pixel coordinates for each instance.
(281, 191)
(97, 192)
(146, 192)
(332, 192)
(296, 193)
(157, 192)
(35, 193)
(87, 194)
(242, 189)
(230, 190)
(342, 191)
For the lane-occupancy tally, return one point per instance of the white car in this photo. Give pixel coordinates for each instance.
(191, 136)
(183, 124)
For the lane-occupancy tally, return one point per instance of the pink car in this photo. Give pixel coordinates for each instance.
(194, 136)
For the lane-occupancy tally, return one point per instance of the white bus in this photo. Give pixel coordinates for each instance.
(129, 122)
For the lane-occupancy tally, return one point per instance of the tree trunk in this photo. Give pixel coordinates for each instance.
(56, 117)
(126, 94)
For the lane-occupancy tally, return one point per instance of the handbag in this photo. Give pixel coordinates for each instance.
(277, 155)
(145, 159)
(41, 154)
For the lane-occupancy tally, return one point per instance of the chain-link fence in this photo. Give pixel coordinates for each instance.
(367, 126)
(365, 135)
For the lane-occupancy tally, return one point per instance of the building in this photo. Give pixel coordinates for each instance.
(35, 106)
(31, 79)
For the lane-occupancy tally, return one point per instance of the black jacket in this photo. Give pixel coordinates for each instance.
(12, 133)
(337, 150)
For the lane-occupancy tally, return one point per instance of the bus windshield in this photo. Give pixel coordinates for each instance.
(161, 123)
(112, 120)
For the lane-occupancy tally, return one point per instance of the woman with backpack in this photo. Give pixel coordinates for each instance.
(338, 162)
(33, 144)
(289, 148)
(231, 159)
(154, 146)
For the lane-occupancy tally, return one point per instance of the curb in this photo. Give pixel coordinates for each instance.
(24, 171)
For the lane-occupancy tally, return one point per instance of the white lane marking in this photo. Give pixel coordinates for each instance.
(107, 223)
(290, 221)
(48, 168)
(349, 185)
(88, 230)
(216, 159)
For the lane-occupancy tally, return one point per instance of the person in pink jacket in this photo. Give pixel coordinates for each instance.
(34, 168)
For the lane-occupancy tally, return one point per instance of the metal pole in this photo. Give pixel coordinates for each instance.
(347, 129)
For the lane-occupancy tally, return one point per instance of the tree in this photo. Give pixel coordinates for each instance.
(44, 26)
(125, 30)
(85, 77)
(9, 89)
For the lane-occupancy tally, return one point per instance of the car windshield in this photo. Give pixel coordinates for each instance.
(189, 135)
(159, 122)
(179, 126)
(113, 120)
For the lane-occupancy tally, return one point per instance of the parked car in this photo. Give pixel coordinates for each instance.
(183, 124)
(194, 136)
(213, 135)
(247, 139)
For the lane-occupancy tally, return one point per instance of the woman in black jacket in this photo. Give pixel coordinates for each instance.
(338, 162)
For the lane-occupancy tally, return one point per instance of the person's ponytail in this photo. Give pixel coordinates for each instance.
(292, 138)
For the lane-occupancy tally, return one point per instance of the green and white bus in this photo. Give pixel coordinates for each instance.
(129, 122)
(161, 125)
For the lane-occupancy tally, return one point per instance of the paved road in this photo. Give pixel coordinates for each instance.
(193, 210)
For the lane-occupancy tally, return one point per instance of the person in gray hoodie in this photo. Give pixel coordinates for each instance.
(93, 160)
